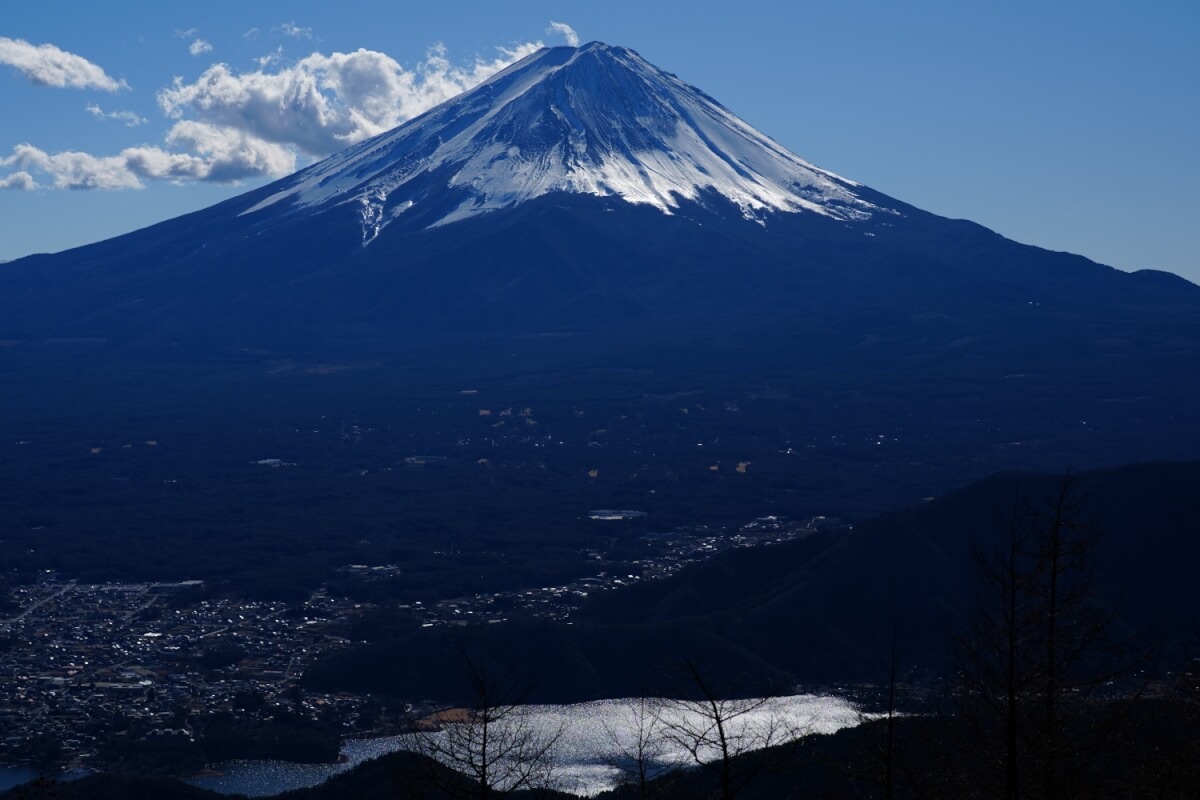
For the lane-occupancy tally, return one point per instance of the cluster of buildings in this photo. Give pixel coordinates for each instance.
(79, 662)
(660, 556)
(83, 661)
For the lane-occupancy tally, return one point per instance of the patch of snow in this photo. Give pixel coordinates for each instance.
(594, 120)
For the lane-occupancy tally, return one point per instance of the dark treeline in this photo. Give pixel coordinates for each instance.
(934, 755)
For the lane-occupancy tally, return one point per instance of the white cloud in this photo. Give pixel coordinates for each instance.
(566, 30)
(201, 153)
(186, 34)
(229, 154)
(233, 125)
(199, 47)
(47, 65)
(295, 31)
(73, 169)
(273, 57)
(18, 181)
(130, 119)
(323, 103)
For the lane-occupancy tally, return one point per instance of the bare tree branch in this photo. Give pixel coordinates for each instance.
(715, 731)
(495, 742)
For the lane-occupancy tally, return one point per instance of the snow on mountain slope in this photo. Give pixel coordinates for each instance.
(595, 120)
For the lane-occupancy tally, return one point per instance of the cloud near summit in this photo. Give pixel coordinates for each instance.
(231, 125)
(323, 103)
(566, 30)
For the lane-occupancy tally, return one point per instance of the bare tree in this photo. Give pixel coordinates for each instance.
(1045, 683)
(715, 731)
(495, 741)
(875, 763)
(996, 664)
(639, 745)
(889, 749)
(1092, 676)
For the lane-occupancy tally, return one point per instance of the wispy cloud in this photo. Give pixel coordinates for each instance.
(565, 30)
(251, 34)
(130, 119)
(274, 57)
(199, 47)
(47, 65)
(232, 125)
(295, 31)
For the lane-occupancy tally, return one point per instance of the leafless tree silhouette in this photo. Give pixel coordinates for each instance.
(495, 741)
(1045, 682)
(641, 749)
(714, 731)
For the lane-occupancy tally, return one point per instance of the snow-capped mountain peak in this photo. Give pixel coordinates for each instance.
(596, 120)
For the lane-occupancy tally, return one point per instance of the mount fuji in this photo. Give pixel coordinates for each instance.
(596, 120)
(580, 189)
(584, 226)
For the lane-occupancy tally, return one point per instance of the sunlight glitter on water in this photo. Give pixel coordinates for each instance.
(592, 748)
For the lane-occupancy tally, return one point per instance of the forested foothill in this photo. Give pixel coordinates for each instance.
(823, 609)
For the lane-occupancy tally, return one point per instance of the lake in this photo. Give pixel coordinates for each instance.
(592, 740)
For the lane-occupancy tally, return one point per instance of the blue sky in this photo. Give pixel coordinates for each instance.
(1069, 125)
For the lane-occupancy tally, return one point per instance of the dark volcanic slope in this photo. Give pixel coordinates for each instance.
(856, 351)
(581, 191)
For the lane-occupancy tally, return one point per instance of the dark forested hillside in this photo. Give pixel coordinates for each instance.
(823, 609)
